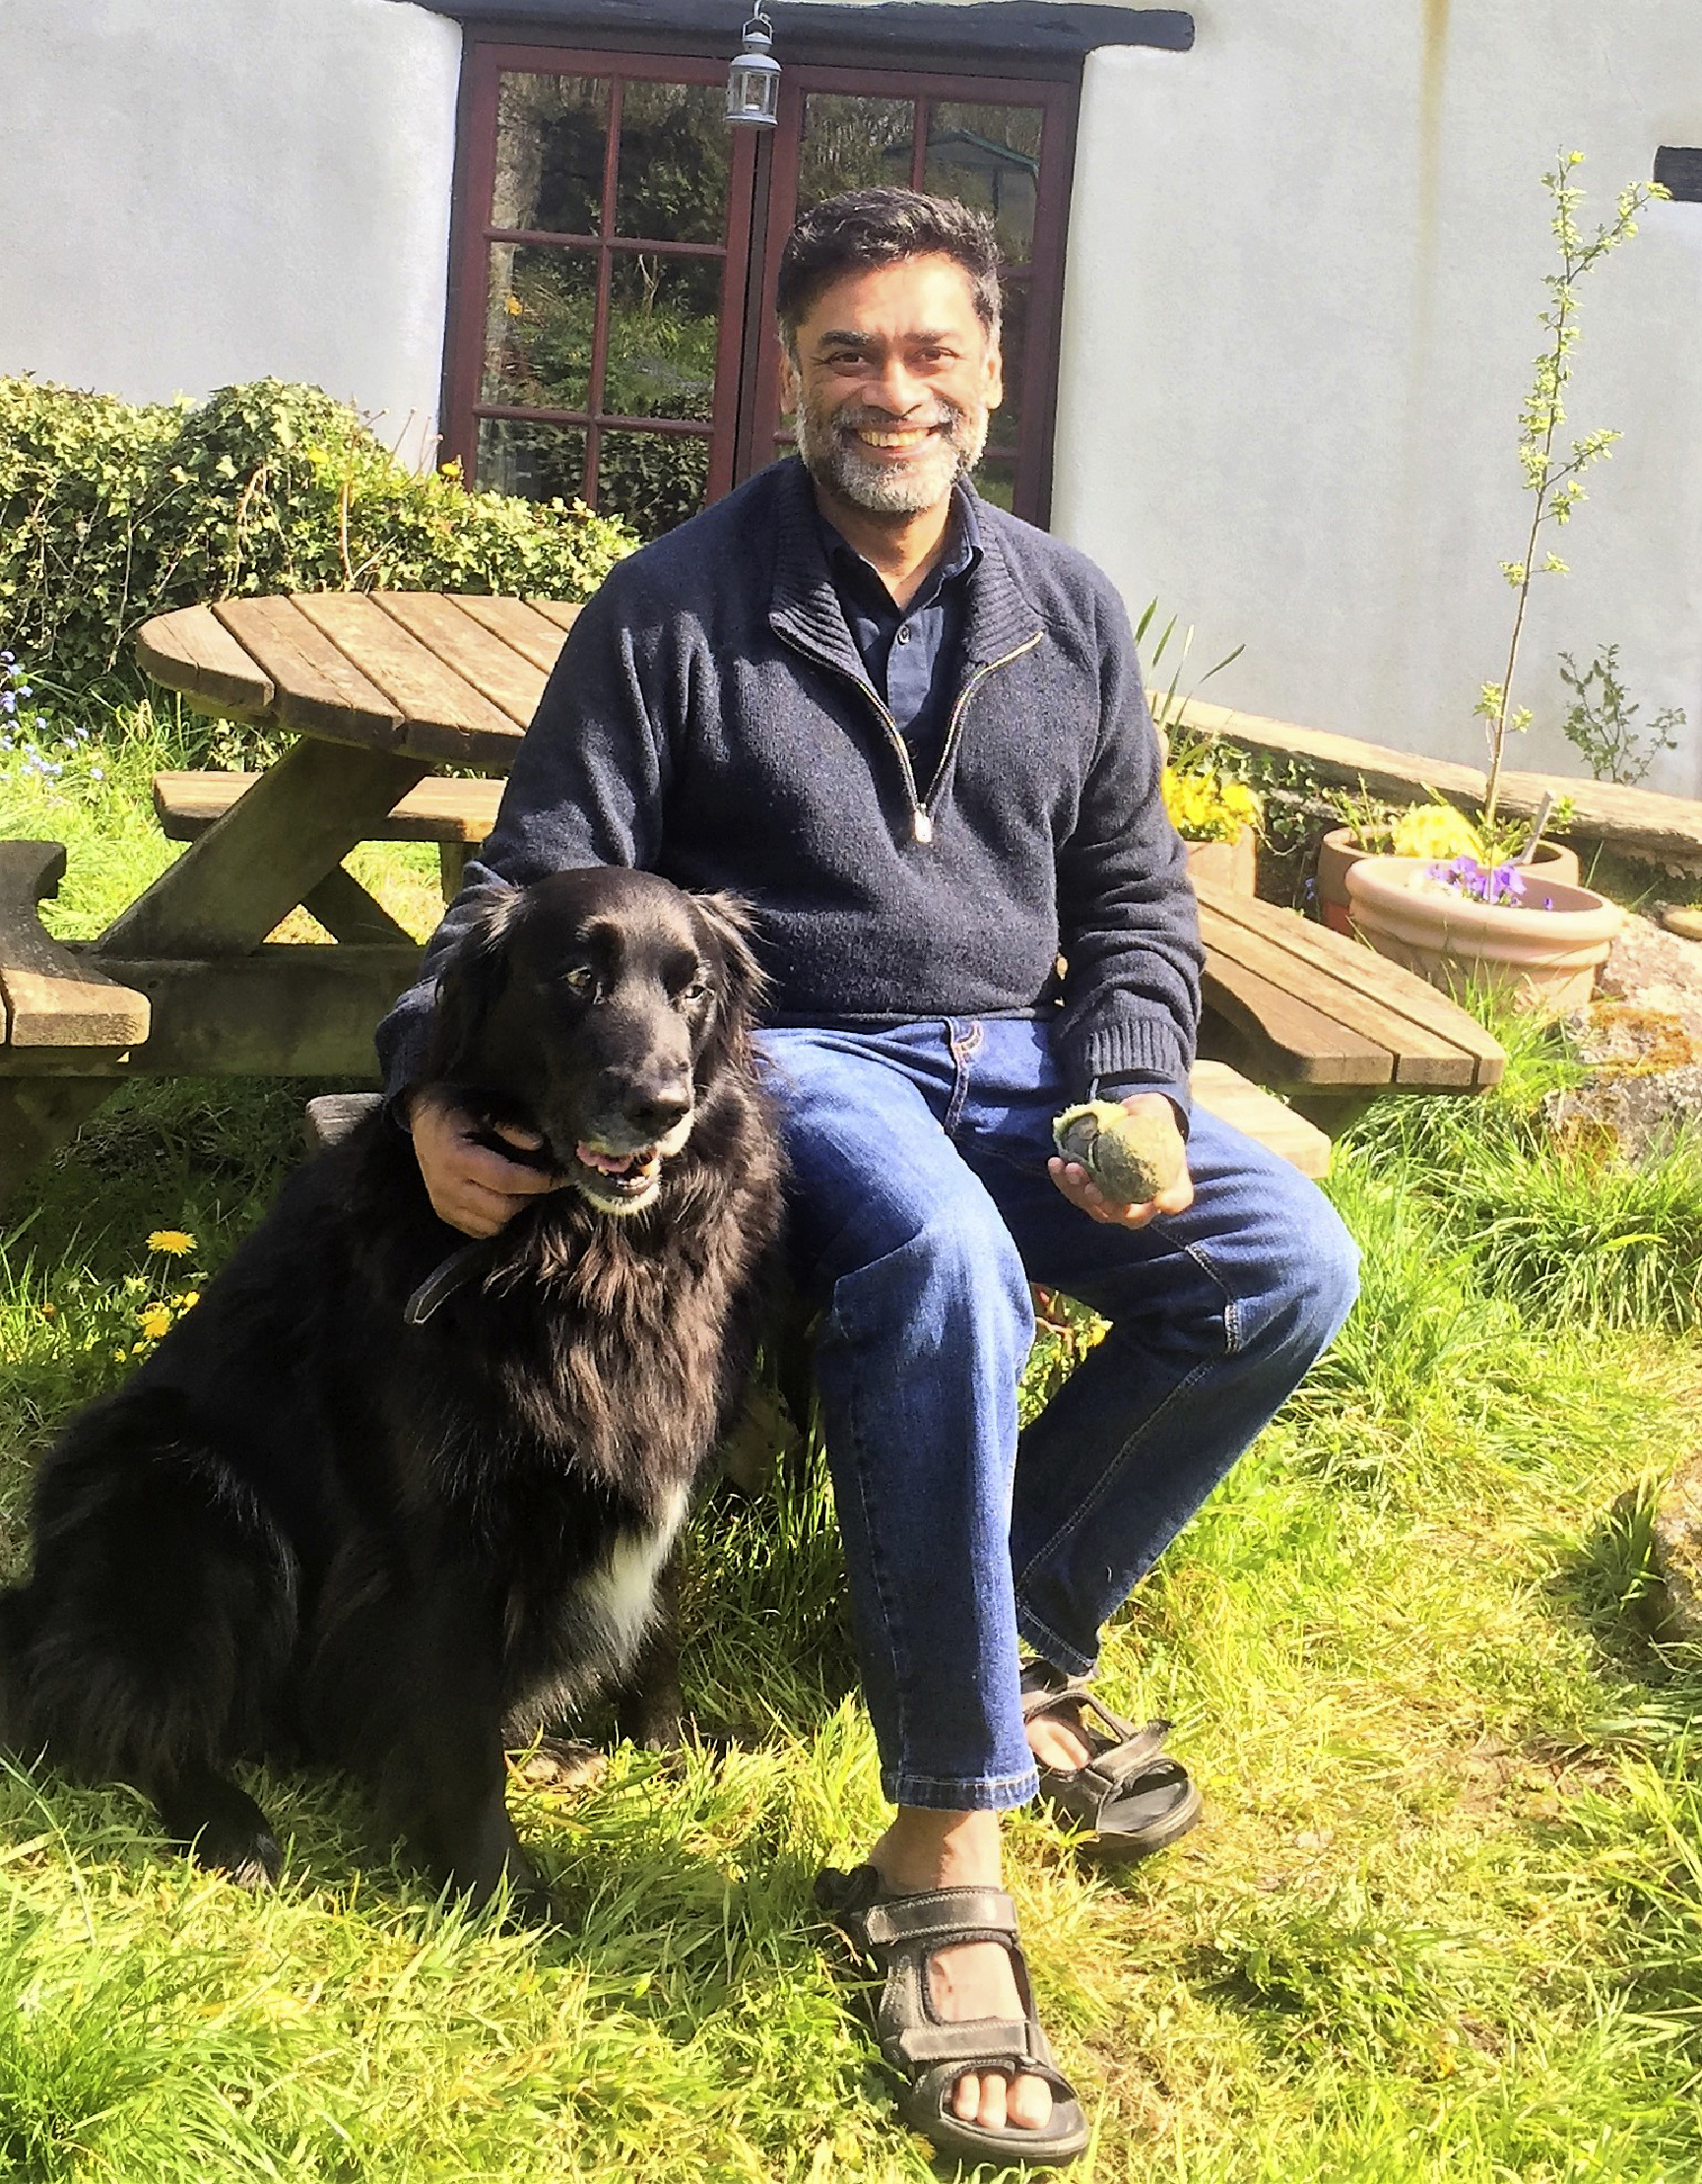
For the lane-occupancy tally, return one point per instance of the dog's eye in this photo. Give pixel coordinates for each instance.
(690, 996)
(581, 979)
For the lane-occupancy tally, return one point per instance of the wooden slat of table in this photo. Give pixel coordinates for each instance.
(429, 693)
(318, 690)
(560, 611)
(1358, 968)
(48, 997)
(1420, 1056)
(532, 634)
(1259, 1114)
(437, 811)
(1311, 1049)
(511, 682)
(192, 652)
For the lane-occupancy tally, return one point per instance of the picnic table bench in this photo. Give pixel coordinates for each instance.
(378, 690)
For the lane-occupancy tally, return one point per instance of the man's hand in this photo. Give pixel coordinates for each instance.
(1078, 1186)
(473, 1189)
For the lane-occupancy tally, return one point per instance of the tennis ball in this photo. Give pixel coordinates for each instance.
(1130, 1157)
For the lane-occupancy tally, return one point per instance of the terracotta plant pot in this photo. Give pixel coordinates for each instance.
(1338, 850)
(1232, 864)
(1547, 958)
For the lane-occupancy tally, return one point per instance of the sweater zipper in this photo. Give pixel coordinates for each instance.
(921, 817)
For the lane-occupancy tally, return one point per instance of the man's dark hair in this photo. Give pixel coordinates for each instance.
(877, 228)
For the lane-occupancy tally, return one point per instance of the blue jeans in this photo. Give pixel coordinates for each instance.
(921, 1210)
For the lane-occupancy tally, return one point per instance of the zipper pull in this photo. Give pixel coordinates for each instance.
(921, 828)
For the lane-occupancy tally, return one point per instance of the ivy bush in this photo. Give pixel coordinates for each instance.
(112, 511)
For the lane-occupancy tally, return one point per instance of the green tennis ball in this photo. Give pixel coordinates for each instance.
(1130, 1157)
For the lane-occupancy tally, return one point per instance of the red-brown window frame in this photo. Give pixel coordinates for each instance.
(742, 433)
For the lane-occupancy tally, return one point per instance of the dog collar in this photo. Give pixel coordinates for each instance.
(455, 1272)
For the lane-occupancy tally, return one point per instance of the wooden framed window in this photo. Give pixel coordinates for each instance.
(612, 332)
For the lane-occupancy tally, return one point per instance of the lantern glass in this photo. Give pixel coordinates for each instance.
(753, 84)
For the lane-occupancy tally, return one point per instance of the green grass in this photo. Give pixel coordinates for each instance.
(1443, 1925)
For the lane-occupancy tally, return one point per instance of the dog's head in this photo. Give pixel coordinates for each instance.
(597, 1006)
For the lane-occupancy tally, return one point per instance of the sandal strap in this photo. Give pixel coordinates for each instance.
(975, 2043)
(941, 1916)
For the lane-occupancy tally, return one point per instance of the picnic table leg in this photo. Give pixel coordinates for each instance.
(224, 895)
(279, 841)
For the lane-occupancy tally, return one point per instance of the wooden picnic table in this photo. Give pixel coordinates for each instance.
(379, 688)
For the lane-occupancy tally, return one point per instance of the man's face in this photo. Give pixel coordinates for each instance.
(891, 384)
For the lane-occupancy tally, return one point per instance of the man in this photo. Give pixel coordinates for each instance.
(911, 730)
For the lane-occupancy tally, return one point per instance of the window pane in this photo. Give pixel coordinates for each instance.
(1013, 348)
(854, 144)
(655, 479)
(551, 133)
(539, 462)
(996, 480)
(990, 158)
(672, 173)
(662, 333)
(537, 320)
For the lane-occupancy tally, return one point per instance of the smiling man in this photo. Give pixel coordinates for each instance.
(910, 729)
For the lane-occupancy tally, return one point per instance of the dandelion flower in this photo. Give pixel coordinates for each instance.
(188, 1298)
(173, 1241)
(154, 1320)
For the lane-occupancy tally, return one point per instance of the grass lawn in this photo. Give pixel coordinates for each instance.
(1441, 1923)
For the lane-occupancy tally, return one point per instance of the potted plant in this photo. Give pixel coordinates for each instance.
(1219, 820)
(1485, 914)
(1433, 831)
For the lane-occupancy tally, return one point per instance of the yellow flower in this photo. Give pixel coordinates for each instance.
(153, 1321)
(513, 306)
(1436, 830)
(175, 1242)
(186, 1299)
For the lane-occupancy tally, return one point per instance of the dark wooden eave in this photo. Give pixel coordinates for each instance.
(1037, 29)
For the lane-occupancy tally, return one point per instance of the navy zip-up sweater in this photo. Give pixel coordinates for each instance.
(711, 720)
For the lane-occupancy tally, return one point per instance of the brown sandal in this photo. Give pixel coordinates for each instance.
(895, 1934)
(1130, 1799)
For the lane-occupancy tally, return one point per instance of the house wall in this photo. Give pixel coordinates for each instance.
(215, 190)
(1305, 269)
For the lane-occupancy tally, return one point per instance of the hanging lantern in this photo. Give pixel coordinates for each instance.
(754, 79)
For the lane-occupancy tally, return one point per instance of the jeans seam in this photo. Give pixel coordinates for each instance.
(1112, 1472)
(891, 1627)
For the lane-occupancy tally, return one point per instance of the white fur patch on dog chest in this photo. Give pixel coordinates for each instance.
(620, 1592)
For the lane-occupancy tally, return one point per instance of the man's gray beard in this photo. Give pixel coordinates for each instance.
(837, 464)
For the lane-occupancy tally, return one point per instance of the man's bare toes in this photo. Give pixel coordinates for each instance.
(966, 2097)
(1029, 2103)
(994, 2089)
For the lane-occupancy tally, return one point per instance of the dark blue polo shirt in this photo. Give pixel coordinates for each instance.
(911, 653)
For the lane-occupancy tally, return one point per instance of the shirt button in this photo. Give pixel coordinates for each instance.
(904, 635)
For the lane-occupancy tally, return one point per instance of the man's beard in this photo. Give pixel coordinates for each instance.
(835, 459)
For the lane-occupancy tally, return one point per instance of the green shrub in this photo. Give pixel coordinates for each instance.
(111, 512)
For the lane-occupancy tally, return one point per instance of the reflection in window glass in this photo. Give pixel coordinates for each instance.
(539, 462)
(1012, 349)
(988, 157)
(655, 479)
(550, 134)
(542, 305)
(854, 144)
(671, 178)
(996, 480)
(663, 327)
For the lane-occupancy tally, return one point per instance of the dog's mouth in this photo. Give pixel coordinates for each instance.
(617, 1182)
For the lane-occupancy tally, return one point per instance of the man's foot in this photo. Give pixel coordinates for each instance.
(924, 1851)
(1113, 1785)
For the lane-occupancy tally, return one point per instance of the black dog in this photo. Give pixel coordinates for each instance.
(392, 1501)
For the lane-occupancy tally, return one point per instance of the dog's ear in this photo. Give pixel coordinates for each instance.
(731, 923)
(469, 983)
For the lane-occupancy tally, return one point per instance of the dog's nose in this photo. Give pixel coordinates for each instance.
(656, 1111)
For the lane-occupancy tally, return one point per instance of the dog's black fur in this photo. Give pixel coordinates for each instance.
(309, 1526)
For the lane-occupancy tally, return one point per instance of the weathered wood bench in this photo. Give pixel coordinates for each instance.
(455, 815)
(50, 996)
(1323, 1018)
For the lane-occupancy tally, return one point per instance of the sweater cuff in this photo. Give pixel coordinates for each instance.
(1138, 1052)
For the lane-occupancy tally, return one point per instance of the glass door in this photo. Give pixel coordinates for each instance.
(601, 282)
(612, 328)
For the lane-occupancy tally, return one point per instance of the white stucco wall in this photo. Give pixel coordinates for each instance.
(1304, 276)
(194, 192)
